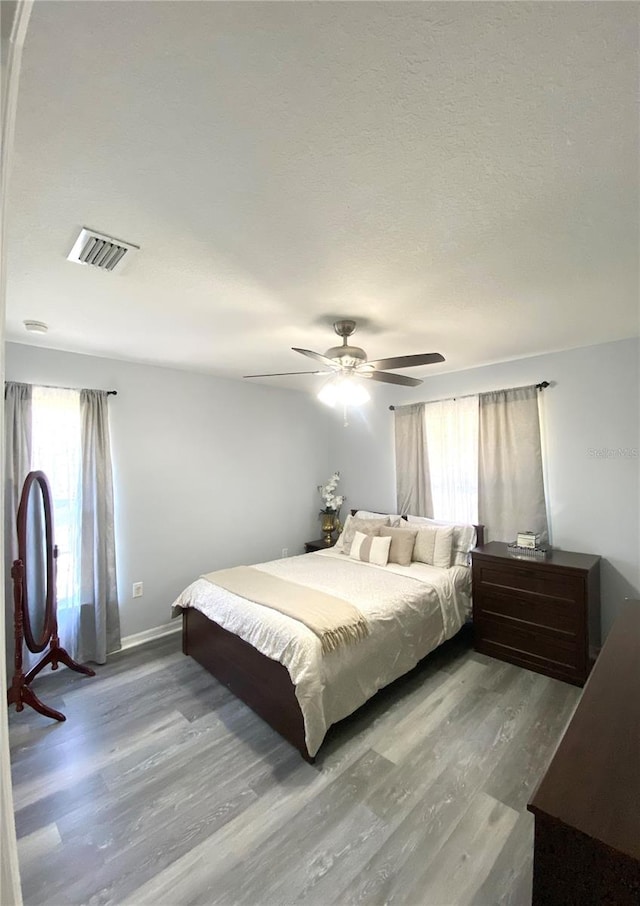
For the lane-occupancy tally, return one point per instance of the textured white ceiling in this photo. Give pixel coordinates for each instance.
(463, 177)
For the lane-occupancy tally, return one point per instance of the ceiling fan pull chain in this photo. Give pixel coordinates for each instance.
(344, 415)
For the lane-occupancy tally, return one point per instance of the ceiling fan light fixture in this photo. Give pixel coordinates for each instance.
(355, 393)
(344, 389)
(328, 394)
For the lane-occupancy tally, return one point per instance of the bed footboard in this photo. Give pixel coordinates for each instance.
(262, 683)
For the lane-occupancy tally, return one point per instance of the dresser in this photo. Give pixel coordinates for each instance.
(540, 614)
(587, 806)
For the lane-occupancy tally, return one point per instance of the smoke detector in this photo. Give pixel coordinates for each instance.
(36, 326)
(103, 252)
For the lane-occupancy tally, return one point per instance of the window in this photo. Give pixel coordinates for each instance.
(65, 434)
(56, 450)
(451, 437)
(474, 459)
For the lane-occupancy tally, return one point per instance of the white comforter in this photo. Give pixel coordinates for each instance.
(410, 611)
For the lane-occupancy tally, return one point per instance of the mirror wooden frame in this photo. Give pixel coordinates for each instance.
(20, 692)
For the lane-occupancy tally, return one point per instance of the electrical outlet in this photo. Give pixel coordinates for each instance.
(285, 551)
(138, 589)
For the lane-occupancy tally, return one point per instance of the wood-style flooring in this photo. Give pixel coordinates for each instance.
(162, 788)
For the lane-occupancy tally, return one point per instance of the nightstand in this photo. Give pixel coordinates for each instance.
(540, 614)
(319, 545)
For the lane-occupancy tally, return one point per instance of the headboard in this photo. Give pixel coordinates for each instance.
(479, 528)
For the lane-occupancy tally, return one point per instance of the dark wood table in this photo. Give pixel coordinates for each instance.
(319, 545)
(587, 806)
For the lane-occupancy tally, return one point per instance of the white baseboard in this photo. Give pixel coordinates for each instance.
(139, 638)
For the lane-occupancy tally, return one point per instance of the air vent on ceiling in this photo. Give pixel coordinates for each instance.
(103, 252)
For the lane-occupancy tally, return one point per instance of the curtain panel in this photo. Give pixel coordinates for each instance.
(413, 483)
(17, 424)
(17, 420)
(99, 622)
(510, 479)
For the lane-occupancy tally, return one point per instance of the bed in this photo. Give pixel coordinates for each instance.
(277, 665)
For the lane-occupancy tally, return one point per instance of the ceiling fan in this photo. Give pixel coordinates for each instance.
(351, 361)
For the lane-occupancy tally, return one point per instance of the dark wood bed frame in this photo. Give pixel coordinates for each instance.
(262, 683)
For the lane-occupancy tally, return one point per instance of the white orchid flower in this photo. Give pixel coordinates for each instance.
(332, 501)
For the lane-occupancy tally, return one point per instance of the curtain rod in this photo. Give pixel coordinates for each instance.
(541, 386)
(57, 387)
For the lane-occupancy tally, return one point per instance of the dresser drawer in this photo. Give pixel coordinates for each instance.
(530, 577)
(532, 648)
(531, 610)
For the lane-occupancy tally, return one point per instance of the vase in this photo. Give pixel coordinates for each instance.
(327, 525)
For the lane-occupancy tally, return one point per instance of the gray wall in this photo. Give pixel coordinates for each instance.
(208, 472)
(593, 407)
(212, 472)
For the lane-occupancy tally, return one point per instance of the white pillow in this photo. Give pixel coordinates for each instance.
(424, 544)
(346, 536)
(340, 542)
(370, 549)
(464, 538)
(395, 521)
(433, 545)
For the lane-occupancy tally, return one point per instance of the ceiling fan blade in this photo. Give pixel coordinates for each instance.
(408, 361)
(285, 373)
(318, 357)
(391, 378)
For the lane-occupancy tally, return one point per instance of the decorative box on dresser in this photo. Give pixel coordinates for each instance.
(541, 614)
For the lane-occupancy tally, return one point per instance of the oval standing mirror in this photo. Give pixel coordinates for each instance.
(34, 595)
(35, 549)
